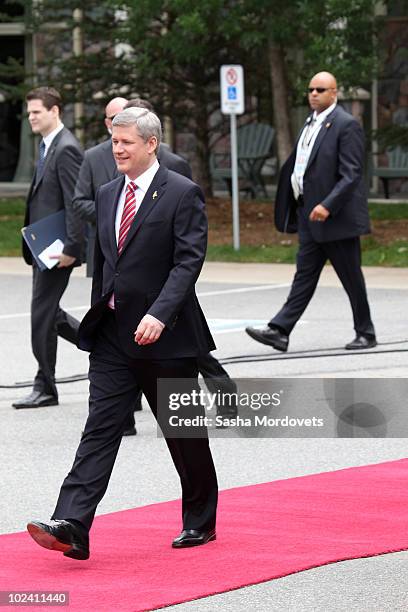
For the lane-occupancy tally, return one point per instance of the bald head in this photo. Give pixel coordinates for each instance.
(115, 106)
(327, 78)
(322, 91)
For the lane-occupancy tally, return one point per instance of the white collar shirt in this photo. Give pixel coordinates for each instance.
(50, 137)
(143, 183)
(305, 146)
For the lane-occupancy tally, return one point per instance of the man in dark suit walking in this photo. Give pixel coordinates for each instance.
(321, 195)
(98, 168)
(145, 323)
(51, 190)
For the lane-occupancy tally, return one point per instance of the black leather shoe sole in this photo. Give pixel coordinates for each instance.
(190, 541)
(47, 540)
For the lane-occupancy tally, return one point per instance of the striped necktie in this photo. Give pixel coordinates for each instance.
(128, 214)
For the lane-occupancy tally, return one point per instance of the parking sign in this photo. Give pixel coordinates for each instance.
(232, 90)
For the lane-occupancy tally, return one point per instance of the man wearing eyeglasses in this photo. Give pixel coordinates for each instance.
(321, 195)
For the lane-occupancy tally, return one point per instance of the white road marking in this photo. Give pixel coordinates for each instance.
(16, 315)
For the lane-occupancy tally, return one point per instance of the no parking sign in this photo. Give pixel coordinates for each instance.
(232, 89)
(232, 104)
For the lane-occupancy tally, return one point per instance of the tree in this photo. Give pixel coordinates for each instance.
(75, 53)
(304, 37)
(177, 48)
(170, 51)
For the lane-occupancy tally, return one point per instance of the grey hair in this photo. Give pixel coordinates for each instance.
(147, 123)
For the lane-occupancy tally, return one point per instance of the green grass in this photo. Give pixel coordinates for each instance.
(388, 211)
(374, 254)
(12, 206)
(392, 255)
(10, 237)
(11, 222)
(254, 254)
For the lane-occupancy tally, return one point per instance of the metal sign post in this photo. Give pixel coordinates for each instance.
(232, 104)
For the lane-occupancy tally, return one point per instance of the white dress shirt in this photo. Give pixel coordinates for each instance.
(143, 183)
(305, 146)
(50, 137)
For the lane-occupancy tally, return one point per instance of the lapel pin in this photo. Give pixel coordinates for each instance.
(328, 125)
(155, 195)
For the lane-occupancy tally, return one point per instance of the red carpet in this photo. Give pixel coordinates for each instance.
(264, 531)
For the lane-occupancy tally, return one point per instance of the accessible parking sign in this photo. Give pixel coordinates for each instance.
(232, 89)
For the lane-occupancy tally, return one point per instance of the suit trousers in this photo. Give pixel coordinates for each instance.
(345, 257)
(48, 321)
(114, 381)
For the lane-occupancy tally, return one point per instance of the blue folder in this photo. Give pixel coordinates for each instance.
(42, 233)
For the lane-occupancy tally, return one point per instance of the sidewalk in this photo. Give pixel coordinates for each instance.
(259, 274)
(251, 273)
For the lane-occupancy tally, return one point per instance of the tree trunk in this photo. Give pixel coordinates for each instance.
(201, 170)
(280, 97)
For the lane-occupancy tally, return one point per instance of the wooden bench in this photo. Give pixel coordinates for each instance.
(254, 144)
(397, 167)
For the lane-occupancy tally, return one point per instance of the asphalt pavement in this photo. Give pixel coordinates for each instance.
(38, 445)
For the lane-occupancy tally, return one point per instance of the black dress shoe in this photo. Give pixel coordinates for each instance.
(361, 342)
(62, 536)
(129, 428)
(131, 431)
(192, 537)
(270, 336)
(36, 399)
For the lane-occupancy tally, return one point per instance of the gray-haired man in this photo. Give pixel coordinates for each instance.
(145, 323)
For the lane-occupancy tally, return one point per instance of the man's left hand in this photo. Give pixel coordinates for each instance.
(64, 260)
(319, 213)
(148, 330)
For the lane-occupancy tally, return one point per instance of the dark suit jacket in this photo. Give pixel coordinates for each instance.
(156, 271)
(99, 167)
(53, 191)
(333, 177)
(173, 162)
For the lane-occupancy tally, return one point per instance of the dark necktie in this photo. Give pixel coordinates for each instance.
(41, 158)
(309, 133)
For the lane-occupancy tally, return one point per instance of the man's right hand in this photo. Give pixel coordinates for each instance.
(319, 213)
(149, 330)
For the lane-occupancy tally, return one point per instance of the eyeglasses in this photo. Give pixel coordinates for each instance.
(318, 89)
(111, 118)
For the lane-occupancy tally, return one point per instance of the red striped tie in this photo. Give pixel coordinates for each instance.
(128, 214)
